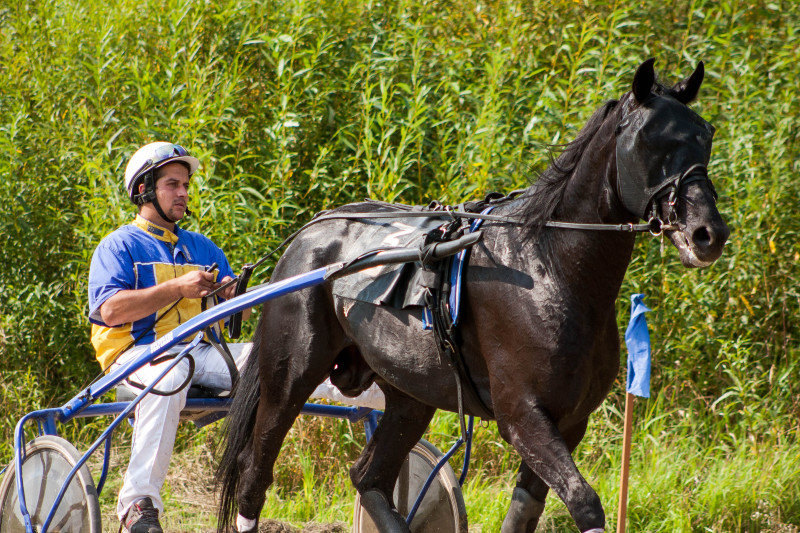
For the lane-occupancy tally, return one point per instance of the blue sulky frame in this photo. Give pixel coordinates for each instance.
(82, 406)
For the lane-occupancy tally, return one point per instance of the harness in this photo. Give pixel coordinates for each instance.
(442, 298)
(442, 312)
(443, 292)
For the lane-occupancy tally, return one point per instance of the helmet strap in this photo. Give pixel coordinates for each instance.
(149, 195)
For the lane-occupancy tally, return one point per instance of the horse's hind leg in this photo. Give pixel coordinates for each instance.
(294, 358)
(528, 498)
(375, 472)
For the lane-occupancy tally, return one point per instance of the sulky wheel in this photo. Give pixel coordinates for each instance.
(48, 462)
(442, 510)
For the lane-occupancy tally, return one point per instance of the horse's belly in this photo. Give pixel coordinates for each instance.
(395, 345)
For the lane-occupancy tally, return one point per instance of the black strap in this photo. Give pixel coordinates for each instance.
(216, 340)
(159, 360)
(437, 298)
(447, 213)
(221, 346)
(471, 210)
(235, 321)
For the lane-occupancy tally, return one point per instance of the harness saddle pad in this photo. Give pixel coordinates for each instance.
(398, 286)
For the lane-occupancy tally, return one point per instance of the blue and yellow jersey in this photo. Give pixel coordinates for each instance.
(141, 255)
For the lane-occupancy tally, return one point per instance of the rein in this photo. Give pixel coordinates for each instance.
(652, 225)
(655, 226)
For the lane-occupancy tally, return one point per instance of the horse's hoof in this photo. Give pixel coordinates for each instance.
(385, 518)
(523, 513)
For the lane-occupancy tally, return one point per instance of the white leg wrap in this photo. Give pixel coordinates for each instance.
(595, 530)
(245, 524)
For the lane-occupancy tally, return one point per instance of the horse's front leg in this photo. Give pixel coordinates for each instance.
(542, 447)
(528, 498)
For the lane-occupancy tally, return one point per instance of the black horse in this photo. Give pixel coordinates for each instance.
(538, 333)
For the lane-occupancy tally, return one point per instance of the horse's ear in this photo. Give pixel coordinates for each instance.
(643, 80)
(686, 91)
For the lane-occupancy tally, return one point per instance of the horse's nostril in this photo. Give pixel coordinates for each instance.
(701, 237)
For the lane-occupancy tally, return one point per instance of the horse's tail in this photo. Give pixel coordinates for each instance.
(237, 435)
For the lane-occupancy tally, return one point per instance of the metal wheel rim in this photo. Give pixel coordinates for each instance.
(449, 494)
(48, 460)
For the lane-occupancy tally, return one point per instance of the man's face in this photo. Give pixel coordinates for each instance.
(172, 189)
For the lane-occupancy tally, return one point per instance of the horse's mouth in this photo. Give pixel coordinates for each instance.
(693, 249)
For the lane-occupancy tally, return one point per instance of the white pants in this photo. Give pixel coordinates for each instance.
(157, 416)
(372, 397)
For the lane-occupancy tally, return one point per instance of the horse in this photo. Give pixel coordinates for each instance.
(538, 328)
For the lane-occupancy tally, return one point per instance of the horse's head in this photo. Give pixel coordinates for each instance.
(663, 149)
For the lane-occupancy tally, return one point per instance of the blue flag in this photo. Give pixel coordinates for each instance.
(637, 339)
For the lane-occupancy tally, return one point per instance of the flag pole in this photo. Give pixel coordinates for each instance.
(622, 509)
(637, 340)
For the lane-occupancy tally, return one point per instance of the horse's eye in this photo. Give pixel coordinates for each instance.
(619, 129)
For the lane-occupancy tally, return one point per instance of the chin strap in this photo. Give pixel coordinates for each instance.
(149, 195)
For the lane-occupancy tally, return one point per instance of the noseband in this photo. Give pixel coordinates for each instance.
(671, 187)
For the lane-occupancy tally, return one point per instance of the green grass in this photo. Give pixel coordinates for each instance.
(687, 474)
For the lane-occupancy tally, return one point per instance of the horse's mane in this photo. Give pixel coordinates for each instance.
(545, 194)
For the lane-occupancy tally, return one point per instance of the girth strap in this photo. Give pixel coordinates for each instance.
(444, 330)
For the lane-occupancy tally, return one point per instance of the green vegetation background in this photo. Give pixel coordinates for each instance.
(295, 106)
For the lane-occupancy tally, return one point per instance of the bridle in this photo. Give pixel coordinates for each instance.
(645, 176)
(671, 187)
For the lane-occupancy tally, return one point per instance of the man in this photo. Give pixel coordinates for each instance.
(137, 273)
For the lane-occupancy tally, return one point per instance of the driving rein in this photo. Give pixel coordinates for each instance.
(655, 225)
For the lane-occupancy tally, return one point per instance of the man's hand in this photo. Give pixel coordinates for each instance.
(230, 291)
(196, 284)
(130, 305)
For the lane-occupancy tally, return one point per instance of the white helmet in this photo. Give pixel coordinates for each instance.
(148, 158)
